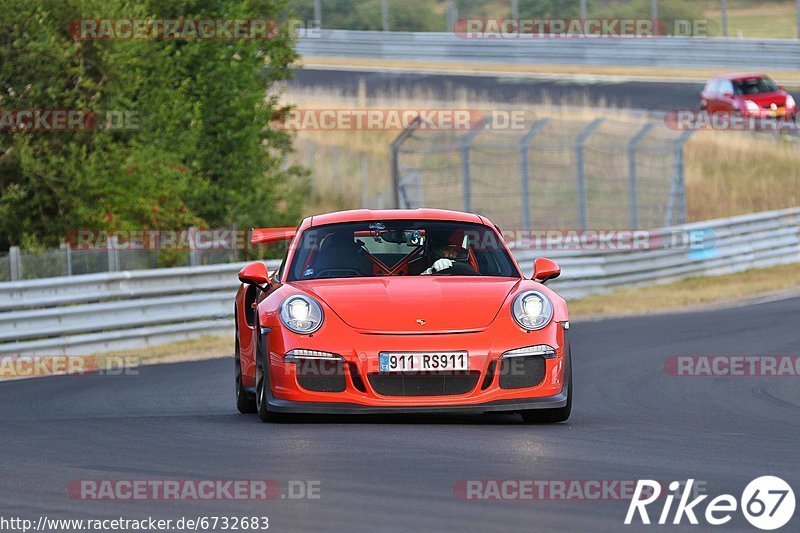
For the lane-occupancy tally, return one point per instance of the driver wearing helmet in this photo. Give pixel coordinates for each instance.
(444, 249)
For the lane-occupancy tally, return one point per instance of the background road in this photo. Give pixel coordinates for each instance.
(630, 420)
(649, 95)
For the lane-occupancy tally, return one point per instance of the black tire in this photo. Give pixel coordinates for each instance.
(552, 416)
(262, 403)
(262, 389)
(245, 399)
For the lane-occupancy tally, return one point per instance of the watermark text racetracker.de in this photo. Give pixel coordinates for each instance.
(54, 120)
(550, 489)
(192, 489)
(623, 240)
(589, 240)
(399, 119)
(778, 120)
(30, 366)
(191, 29)
(576, 28)
(733, 366)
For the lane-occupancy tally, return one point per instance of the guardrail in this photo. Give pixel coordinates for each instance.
(116, 310)
(686, 52)
(730, 245)
(121, 310)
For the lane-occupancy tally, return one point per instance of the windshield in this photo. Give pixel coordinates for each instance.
(754, 86)
(400, 248)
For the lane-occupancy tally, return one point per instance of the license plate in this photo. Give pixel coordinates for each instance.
(423, 361)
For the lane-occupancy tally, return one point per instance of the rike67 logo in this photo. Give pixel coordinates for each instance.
(767, 502)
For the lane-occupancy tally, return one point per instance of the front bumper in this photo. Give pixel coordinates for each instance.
(339, 408)
(359, 394)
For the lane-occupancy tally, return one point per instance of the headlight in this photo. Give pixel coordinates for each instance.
(532, 310)
(301, 314)
(751, 106)
(790, 101)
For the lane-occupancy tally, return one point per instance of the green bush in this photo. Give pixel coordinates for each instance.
(203, 152)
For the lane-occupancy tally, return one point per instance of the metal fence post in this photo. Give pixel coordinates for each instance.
(309, 154)
(66, 248)
(677, 195)
(394, 160)
(724, 18)
(581, 171)
(466, 178)
(112, 245)
(335, 164)
(633, 198)
(363, 166)
(523, 170)
(15, 263)
(385, 14)
(452, 15)
(194, 252)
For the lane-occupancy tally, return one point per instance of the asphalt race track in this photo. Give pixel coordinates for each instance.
(650, 95)
(630, 420)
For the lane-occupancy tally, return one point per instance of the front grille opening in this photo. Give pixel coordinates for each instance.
(317, 375)
(423, 384)
(521, 372)
(358, 383)
(487, 381)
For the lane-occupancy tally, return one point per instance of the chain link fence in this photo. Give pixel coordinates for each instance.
(17, 264)
(441, 15)
(551, 174)
(343, 178)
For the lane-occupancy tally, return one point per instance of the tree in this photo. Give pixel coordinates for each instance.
(202, 151)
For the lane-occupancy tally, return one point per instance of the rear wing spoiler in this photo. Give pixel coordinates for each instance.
(265, 235)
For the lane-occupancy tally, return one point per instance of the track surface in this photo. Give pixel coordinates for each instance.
(630, 420)
(649, 95)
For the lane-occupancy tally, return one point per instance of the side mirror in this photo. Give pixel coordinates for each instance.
(254, 274)
(545, 269)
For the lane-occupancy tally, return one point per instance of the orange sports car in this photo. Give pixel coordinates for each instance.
(400, 311)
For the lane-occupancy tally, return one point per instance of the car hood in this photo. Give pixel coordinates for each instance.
(765, 99)
(413, 304)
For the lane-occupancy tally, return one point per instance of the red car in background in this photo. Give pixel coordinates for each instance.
(751, 95)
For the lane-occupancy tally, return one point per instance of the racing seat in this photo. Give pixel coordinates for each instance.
(340, 252)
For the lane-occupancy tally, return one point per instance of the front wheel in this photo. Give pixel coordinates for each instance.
(552, 416)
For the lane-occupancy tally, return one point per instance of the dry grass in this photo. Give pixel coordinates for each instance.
(727, 173)
(691, 292)
(206, 347)
(734, 173)
(756, 19)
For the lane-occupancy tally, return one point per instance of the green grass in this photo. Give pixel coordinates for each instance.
(755, 19)
(691, 292)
